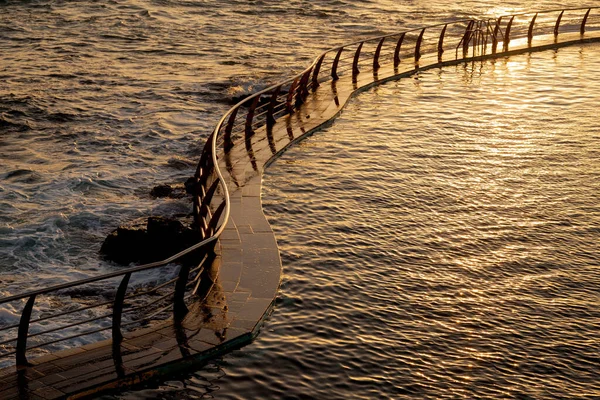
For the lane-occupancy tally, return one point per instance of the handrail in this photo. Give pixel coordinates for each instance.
(109, 275)
(549, 11)
(210, 231)
(475, 36)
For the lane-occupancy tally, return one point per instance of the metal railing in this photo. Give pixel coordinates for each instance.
(126, 310)
(458, 40)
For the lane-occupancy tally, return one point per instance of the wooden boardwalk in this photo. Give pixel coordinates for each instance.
(247, 269)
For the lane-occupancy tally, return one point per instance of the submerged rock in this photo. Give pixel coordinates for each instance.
(144, 241)
(161, 191)
(166, 190)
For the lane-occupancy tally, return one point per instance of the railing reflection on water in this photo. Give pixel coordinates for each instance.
(455, 41)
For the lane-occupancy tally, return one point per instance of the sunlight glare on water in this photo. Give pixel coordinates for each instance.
(462, 262)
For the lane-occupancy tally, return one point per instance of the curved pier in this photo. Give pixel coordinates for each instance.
(218, 302)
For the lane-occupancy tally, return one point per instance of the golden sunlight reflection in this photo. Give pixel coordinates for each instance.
(439, 240)
(499, 11)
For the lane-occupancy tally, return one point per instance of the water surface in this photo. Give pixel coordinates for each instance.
(437, 241)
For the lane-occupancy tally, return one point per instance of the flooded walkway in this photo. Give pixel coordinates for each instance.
(246, 270)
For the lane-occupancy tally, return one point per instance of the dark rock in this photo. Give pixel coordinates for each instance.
(161, 191)
(190, 185)
(163, 227)
(125, 244)
(143, 242)
(166, 190)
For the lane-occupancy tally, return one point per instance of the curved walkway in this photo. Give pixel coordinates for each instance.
(245, 271)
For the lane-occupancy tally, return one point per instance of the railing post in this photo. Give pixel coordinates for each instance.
(179, 307)
(495, 37)
(377, 53)
(507, 34)
(334, 66)
(200, 177)
(558, 23)
(355, 70)
(488, 33)
(418, 46)
(315, 77)
(196, 200)
(206, 153)
(248, 131)
(23, 332)
(397, 50)
(205, 206)
(117, 336)
(227, 142)
(484, 36)
(271, 108)
(530, 31)
(585, 18)
(303, 88)
(441, 43)
(204, 167)
(214, 220)
(478, 39)
(290, 96)
(467, 38)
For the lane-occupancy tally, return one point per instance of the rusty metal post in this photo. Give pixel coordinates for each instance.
(205, 209)
(315, 77)
(203, 171)
(507, 34)
(306, 82)
(558, 23)
(23, 332)
(271, 108)
(179, 307)
(290, 96)
(204, 167)
(441, 43)
(467, 38)
(248, 131)
(355, 70)
(227, 142)
(205, 205)
(215, 218)
(530, 31)
(117, 336)
(204, 156)
(478, 45)
(195, 200)
(303, 88)
(377, 53)
(418, 45)
(397, 50)
(334, 66)
(585, 18)
(478, 38)
(487, 35)
(495, 37)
